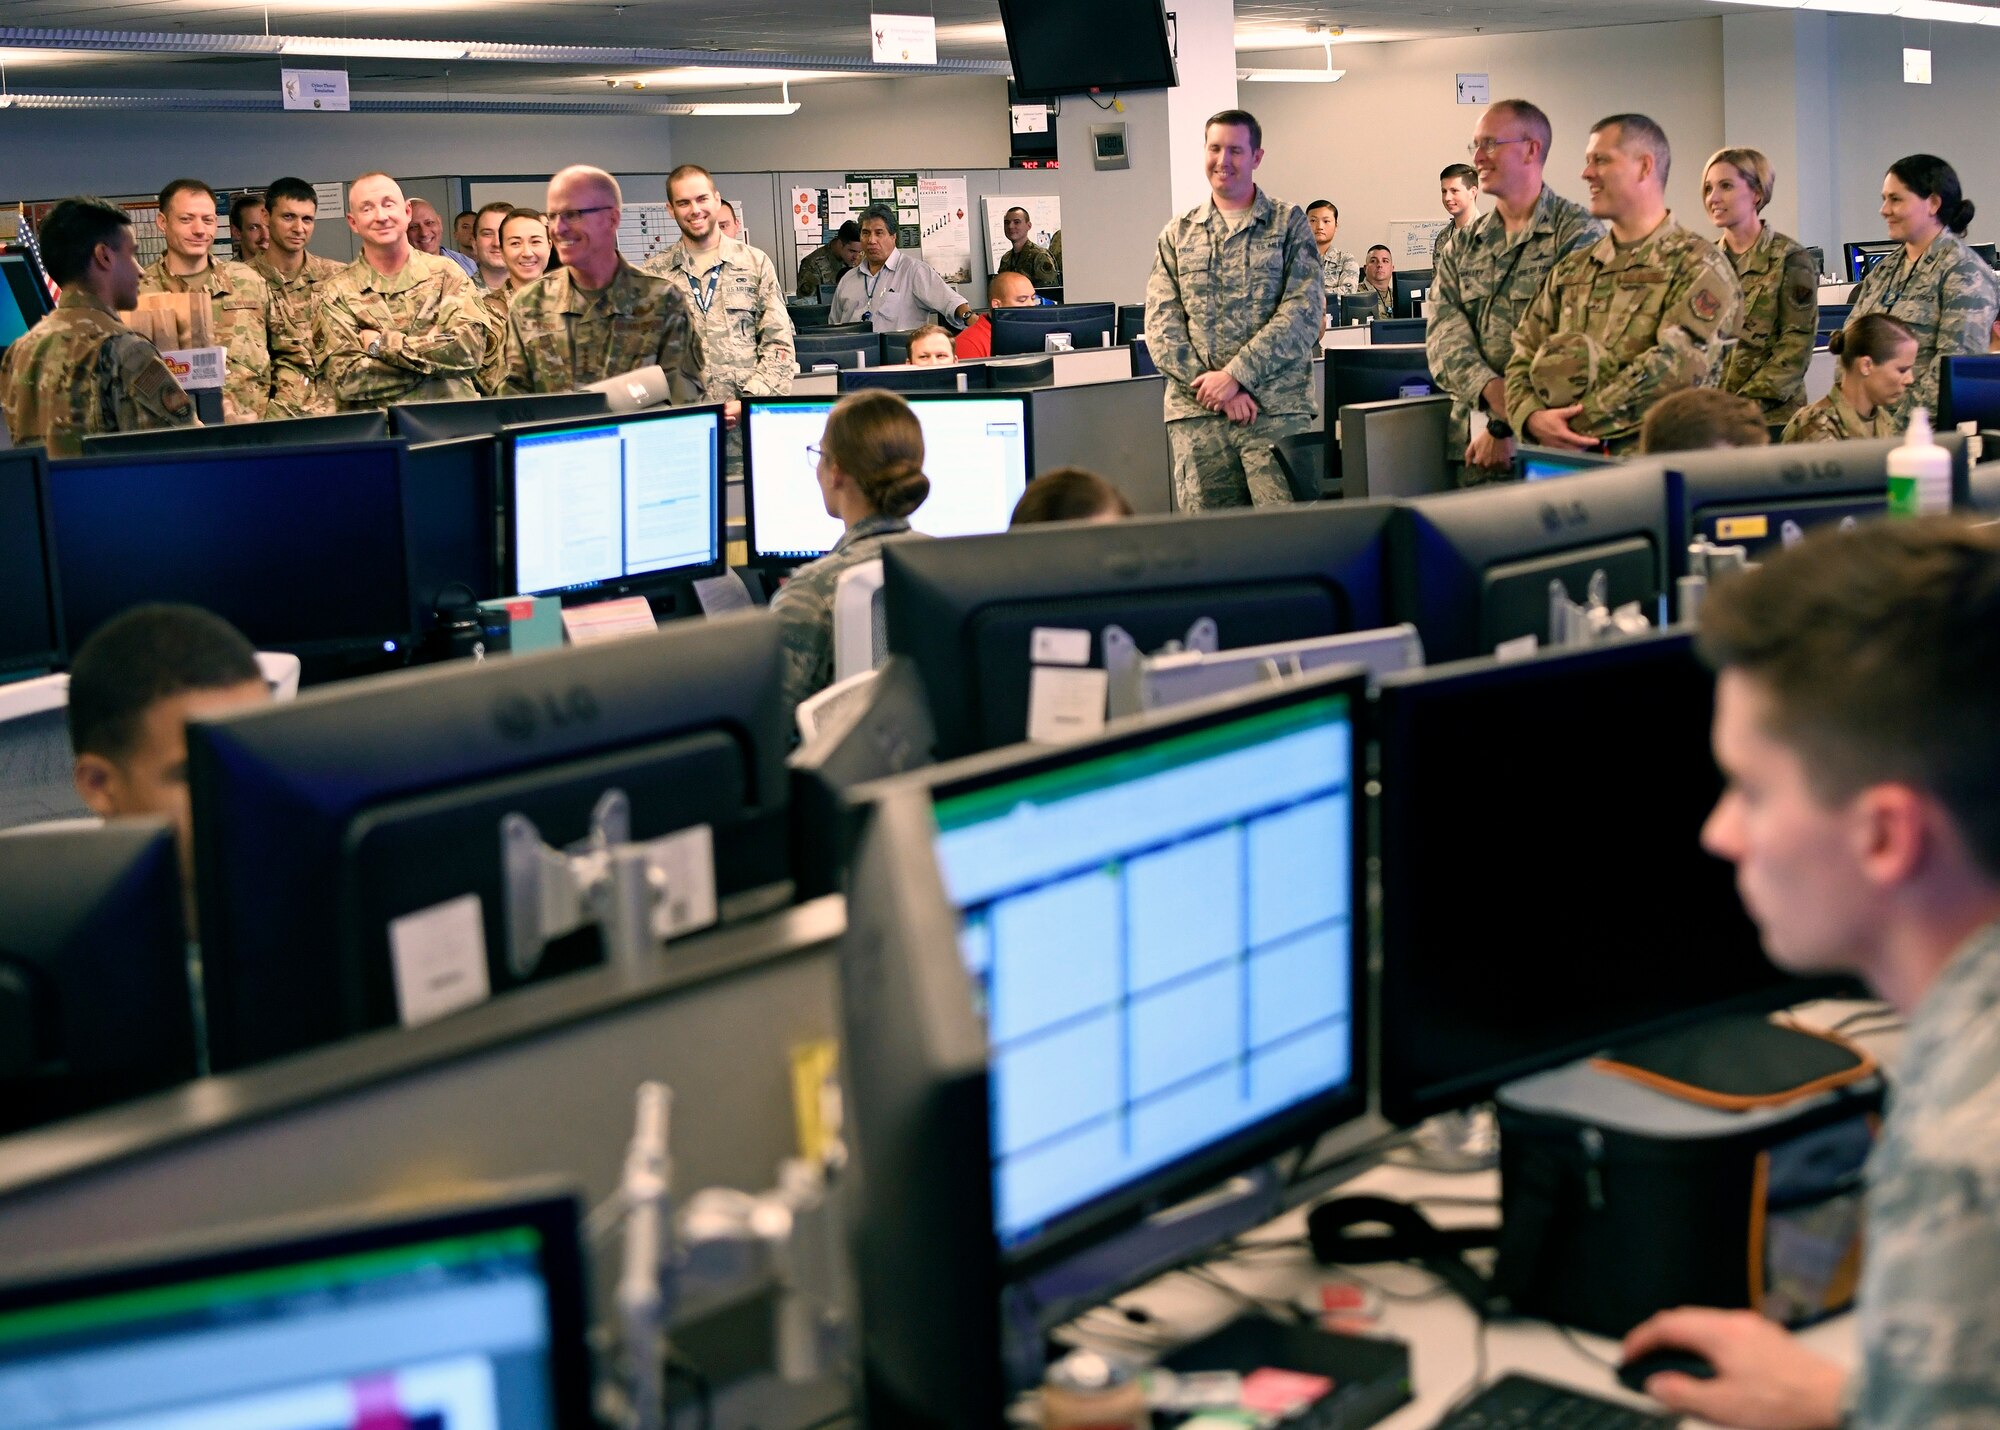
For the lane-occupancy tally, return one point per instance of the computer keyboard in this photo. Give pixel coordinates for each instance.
(1520, 1402)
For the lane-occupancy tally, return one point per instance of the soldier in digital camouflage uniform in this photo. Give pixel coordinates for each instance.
(1486, 279)
(397, 325)
(1233, 317)
(1621, 324)
(1026, 256)
(266, 346)
(1946, 294)
(1871, 850)
(598, 316)
(1780, 283)
(1458, 189)
(1339, 270)
(1378, 280)
(826, 265)
(80, 371)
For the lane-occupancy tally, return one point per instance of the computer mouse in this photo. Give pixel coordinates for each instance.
(1636, 1372)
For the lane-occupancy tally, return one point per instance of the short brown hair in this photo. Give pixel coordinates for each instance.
(1068, 494)
(1702, 417)
(927, 330)
(875, 439)
(1874, 336)
(498, 206)
(1639, 130)
(1529, 116)
(1878, 649)
(1234, 119)
(683, 171)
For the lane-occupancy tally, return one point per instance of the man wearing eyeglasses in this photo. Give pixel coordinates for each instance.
(598, 316)
(1489, 273)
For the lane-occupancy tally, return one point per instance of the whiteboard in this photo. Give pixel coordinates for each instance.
(1410, 240)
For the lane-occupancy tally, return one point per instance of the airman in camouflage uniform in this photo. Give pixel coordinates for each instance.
(820, 268)
(435, 333)
(561, 337)
(1339, 272)
(1483, 284)
(265, 344)
(746, 334)
(1385, 300)
(80, 371)
(1032, 260)
(804, 607)
(1948, 298)
(1780, 324)
(1649, 318)
(297, 390)
(1833, 419)
(1242, 299)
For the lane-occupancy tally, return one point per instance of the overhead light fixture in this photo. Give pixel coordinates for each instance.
(748, 110)
(225, 102)
(375, 49)
(1950, 12)
(1291, 76)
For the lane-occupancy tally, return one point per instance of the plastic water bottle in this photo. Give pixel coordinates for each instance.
(1919, 472)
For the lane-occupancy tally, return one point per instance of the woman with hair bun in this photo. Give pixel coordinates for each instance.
(871, 476)
(1937, 286)
(1877, 356)
(1774, 342)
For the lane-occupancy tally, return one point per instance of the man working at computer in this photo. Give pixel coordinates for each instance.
(1233, 315)
(1641, 313)
(1854, 719)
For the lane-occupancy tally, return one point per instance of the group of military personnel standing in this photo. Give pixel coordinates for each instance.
(305, 335)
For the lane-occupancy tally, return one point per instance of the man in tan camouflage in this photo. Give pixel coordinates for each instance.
(293, 274)
(598, 316)
(80, 370)
(1639, 314)
(397, 325)
(1233, 317)
(1024, 255)
(826, 265)
(262, 348)
(1489, 274)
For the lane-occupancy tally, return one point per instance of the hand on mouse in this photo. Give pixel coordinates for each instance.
(1764, 1379)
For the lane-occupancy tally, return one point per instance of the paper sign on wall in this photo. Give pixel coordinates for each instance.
(332, 200)
(1475, 89)
(1916, 66)
(904, 39)
(315, 89)
(947, 237)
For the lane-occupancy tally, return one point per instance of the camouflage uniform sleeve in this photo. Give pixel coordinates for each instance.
(1529, 334)
(448, 336)
(142, 393)
(243, 326)
(1042, 269)
(1703, 305)
(777, 358)
(355, 379)
(680, 355)
(1783, 375)
(493, 367)
(292, 364)
(1449, 342)
(1811, 423)
(519, 378)
(1347, 279)
(1968, 298)
(804, 609)
(1168, 336)
(1291, 337)
(809, 279)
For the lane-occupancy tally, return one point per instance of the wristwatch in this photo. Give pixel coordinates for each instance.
(1499, 429)
(375, 346)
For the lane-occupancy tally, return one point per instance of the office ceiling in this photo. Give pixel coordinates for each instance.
(968, 29)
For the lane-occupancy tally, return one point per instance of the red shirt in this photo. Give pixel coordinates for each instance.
(976, 341)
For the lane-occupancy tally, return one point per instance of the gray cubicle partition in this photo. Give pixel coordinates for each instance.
(1115, 429)
(537, 1083)
(1396, 448)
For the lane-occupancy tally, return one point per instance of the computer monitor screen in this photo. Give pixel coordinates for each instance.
(283, 432)
(485, 416)
(301, 548)
(603, 507)
(1538, 464)
(1058, 48)
(1412, 287)
(977, 450)
(840, 350)
(1969, 391)
(1832, 318)
(1473, 569)
(450, 495)
(22, 299)
(1494, 794)
(1162, 938)
(806, 316)
(948, 377)
(1865, 255)
(1356, 307)
(985, 618)
(93, 970)
(1375, 374)
(31, 637)
(1818, 258)
(1131, 322)
(426, 1319)
(322, 824)
(1027, 330)
(1398, 330)
(1987, 251)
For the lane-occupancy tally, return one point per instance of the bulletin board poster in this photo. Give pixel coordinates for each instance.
(899, 190)
(1044, 222)
(1411, 240)
(818, 214)
(947, 232)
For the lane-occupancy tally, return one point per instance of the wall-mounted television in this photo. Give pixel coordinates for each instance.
(1062, 47)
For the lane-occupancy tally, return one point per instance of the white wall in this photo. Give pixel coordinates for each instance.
(923, 123)
(1375, 141)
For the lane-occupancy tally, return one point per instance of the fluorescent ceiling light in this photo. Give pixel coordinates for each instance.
(375, 49)
(1293, 76)
(726, 110)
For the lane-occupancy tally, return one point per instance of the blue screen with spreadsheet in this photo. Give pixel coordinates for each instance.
(1160, 941)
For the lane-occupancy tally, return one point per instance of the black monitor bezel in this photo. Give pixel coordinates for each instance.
(416, 413)
(1403, 283)
(1981, 367)
(1051, 317)
(33, 662)
(650, 583)
(1300, 1125)
(554, 1215)
(1854, 250)
(239, 436)
(785, 561)
(1168, 67)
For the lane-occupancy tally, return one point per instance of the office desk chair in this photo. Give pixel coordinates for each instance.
(1302, 458)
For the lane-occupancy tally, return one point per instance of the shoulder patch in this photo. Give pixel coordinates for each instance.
(1707, 306)
(1802, 294)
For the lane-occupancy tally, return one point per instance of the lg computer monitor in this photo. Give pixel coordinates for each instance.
(282, 432)
(613, 506)
(1412, 286)
(1082, 985)
(978, 453)
(1865, 255)
(451, 503)
(1969, 391)
(1763, 498)
(1473, 569)
(31, 631)
(430, 1316)
(1572, 788)
(985, 619)
(1373, 374)
(1399, 448)
(485, 416)
(300, 548)
(1028, 330)
(323, 823)
(94, 984)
